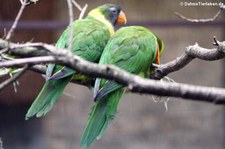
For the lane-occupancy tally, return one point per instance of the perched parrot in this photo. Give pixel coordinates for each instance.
(90, 36)
(133, 49)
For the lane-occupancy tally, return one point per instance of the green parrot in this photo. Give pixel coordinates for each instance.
(133, 49)
(90, 36)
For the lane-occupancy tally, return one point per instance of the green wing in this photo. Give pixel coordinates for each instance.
(89, 39)
(132, 49)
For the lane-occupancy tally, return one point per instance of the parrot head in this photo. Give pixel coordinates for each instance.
(109, 12)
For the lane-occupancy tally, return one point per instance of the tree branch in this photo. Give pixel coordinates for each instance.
(13, 78)
(202, 20)
(1, 144)
(192, 52)
(133, 82)
(70, 8)
(23, 5)
(83, 11)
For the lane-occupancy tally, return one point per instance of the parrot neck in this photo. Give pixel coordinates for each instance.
(98, 16)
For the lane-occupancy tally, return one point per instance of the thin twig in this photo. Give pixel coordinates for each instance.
(23, 5)
(70, 7)
(36, 68)
(76, 5)
(13, 78)
(3, 51)
(31, 61)
(1, 144)
(215, 43)
(83, 11)
(202, 20)
(33, 1)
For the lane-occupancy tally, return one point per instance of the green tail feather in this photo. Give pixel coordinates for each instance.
(47, 97)
(103, 111)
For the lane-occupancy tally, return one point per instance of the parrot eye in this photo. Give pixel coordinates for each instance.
(113, 11)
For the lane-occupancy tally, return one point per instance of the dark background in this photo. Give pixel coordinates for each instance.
(140, 122)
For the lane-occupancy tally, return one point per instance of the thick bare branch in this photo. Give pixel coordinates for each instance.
(42, 70)
(133, 82)
(192, 52)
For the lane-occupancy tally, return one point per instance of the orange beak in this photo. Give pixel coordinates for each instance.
(122, 18)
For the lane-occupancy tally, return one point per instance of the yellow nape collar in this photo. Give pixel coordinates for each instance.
(100, 17)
